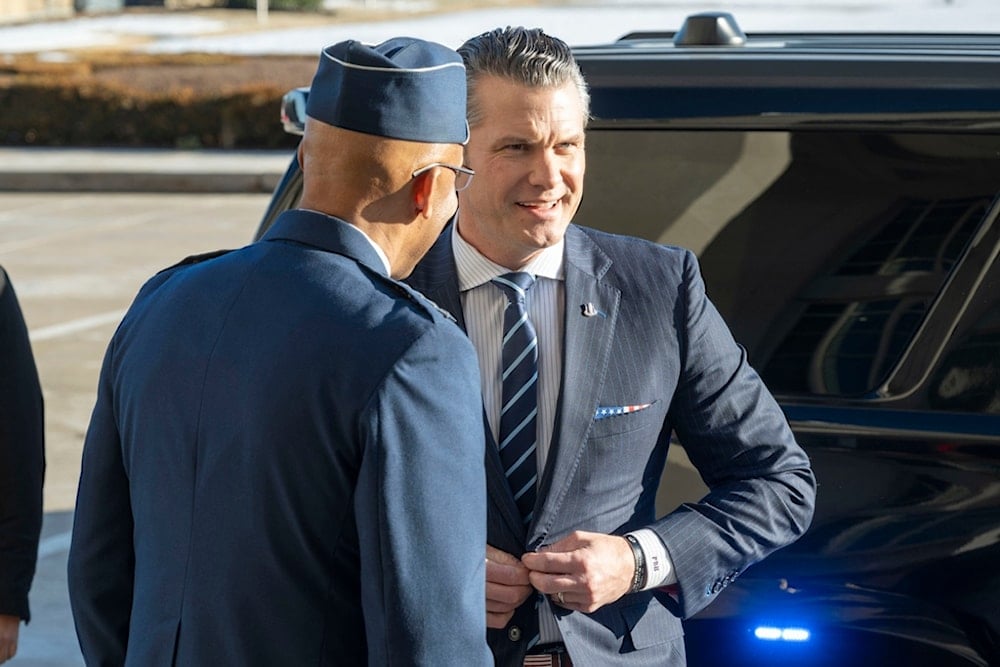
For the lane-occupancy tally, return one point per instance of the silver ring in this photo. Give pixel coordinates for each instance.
(559, 596)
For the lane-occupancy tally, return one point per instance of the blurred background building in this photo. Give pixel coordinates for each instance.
(17, 11)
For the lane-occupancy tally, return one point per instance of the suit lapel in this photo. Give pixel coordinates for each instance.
(437, 277)
(586, 349)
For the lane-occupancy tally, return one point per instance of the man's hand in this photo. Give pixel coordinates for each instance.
(589, 570)
(8, 636)
(507, 586)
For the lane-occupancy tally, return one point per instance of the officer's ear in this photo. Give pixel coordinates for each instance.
(422, 191)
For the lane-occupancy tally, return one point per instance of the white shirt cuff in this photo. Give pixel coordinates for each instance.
(659, 567)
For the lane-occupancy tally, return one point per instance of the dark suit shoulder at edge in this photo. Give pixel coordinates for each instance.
(196, 259)
(608, 240)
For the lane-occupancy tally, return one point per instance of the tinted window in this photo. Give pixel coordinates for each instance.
(968, 377)
(856, 320)
(823, 250)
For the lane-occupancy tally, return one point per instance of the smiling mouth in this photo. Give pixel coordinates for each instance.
(539, 206)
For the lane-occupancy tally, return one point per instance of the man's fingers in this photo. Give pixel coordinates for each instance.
(552, 562)
(507, 586)
(566, 555)
(578, 539)
(8, 636)
(507, 575)
(497, 605)
(553, 583)
(589, 570)
(507, 595)
(497, 556)
(503, 568)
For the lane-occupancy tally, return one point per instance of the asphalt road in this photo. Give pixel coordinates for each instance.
(76, 261)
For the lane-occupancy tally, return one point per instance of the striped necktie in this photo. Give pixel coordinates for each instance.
(519, 394)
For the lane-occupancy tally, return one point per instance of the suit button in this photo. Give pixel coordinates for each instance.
(514, 633)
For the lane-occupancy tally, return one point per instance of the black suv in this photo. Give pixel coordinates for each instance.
(841, 191)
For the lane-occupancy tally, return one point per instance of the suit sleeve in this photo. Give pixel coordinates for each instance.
(101, 560)
(761, 486)
(22, 457)
(421, 508)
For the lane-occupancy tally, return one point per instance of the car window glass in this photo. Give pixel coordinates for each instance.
(968, 377)
(822, 249)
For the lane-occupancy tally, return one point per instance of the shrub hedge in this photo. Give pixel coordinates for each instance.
(176, 101)
(286, 5)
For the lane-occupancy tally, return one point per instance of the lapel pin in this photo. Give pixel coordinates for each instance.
(589, 310)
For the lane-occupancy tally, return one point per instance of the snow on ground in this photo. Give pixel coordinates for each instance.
(580, 23)
(103, 31)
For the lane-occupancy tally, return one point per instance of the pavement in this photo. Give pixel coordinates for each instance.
(80, 229)
(41, 169)
(77, 259)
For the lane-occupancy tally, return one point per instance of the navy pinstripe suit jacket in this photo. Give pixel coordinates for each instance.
(660, 341)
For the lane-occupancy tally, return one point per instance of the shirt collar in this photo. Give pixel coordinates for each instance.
(474, 269)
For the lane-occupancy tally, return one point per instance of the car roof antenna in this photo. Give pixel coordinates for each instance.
(710, 29)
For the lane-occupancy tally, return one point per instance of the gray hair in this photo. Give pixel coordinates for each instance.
(525, 56)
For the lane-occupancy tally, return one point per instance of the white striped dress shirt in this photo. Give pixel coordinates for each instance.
(483, 304)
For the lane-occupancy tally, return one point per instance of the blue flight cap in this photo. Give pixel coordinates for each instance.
(403, 88)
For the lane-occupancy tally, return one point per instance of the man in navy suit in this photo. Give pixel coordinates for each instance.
(283, 433)
(627, 350)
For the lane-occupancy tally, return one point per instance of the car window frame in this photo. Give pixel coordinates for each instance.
(912, 373)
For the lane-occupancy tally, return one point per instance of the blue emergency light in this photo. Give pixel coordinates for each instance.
(774, 633)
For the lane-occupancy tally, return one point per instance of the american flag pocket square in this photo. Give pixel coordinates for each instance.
(603, 412)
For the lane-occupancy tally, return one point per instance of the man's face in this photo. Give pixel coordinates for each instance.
(528, 154)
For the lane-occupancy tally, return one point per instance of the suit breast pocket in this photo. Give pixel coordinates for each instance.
(618, 420)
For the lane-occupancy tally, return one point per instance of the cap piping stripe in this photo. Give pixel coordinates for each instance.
(391, 69)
